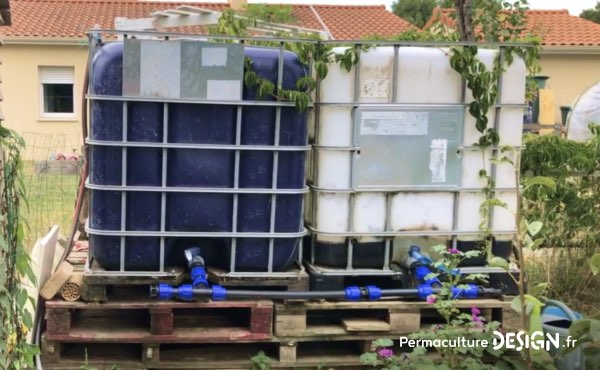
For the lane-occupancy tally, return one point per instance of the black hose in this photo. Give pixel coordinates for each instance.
(410, 293)
(266, 294)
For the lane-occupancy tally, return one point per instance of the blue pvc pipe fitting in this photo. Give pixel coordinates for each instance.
(421, 272)
(199, 277)
(424, 291)
(218, 293)
(353, 293)
(471, 291)
(185, 292)
(373, 292)
(165, 291)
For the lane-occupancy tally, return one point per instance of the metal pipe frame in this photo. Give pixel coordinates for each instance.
(313, 146)
(456, 190)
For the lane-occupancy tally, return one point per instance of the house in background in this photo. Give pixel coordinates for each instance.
(45, 52)
(570, 53)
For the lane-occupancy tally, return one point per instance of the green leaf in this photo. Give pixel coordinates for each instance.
(595, 264)
(534, 228)
(538, 289)
(541, 181)
(383, 343)
(369, 358)
(499, 262)
(579, 328)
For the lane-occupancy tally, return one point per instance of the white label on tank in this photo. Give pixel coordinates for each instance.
(394, 123)
(214, 57)
(223, 89)
(437, 160)
(375, 88)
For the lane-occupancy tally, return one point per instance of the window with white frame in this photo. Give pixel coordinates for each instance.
(56, 92)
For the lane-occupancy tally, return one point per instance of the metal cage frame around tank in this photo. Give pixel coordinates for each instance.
(276, 148)
(388, 235)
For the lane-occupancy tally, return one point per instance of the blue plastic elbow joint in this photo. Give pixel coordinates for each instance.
(199, 277)
(421, 272)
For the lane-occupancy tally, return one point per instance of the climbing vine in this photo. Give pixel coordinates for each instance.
(314, 56)
(15, 319)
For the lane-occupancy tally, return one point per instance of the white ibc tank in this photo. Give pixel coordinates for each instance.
(423, 76)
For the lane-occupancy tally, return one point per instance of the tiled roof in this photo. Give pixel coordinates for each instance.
(71, 18)
(556, 27)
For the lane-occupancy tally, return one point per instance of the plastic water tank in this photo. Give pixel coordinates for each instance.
(423, 76)
(193, 167)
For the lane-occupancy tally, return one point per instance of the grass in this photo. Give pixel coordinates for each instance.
(51, 195)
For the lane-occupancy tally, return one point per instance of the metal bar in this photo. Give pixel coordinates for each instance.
(395, 75)
(496, 128)
(260, 103)
(456, 196)
(199, 234)
(310, 41)
(424, 188)
(124, 128)
(262, 274)
(388, 226)
(135, 144)
(172, 189)
(163, 195)
(355, 148)
(236, 184)
(275, 172)
(236, 180)
(351, 200)
(417, 106)
(313, 241)
(358, 272)
(404, 233)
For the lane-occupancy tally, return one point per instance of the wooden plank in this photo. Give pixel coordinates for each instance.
(290, 322)
(406, 321)
(299, 282)
(467, 303)
(57, 280)
(358, 325)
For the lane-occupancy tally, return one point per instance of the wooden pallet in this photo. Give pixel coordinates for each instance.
(98, 283)
(149, 321)
(310, 319)
(297, 281)
(287, 354)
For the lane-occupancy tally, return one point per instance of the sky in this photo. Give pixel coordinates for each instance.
(575, 6)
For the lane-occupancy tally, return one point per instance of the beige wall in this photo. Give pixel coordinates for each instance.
(570, 76)
(21, 88)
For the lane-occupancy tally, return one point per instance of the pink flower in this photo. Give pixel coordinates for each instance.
(385, 353)
(478, 320)
(453, 251)
(431, 299)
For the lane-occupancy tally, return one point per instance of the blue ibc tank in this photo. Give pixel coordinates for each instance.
(208, 168)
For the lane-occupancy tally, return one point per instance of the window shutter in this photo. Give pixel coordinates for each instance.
(56, 75)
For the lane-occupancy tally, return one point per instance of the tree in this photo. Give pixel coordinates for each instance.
(592, 14)
(416, 12)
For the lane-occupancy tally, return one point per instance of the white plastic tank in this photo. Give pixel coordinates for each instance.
(423, 77)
